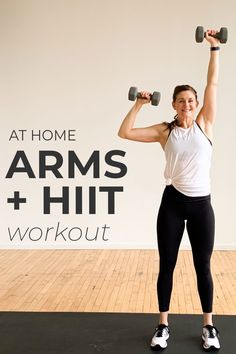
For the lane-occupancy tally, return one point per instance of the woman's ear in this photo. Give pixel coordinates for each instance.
(173, 104)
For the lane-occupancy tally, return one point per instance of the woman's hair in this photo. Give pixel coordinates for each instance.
(177, 90)
(181, 88)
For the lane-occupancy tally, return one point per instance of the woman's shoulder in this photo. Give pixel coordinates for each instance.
(163, 131)
(163, 128)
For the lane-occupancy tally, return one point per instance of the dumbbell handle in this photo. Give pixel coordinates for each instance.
(217, 35)
(154, 98)
(139, 95)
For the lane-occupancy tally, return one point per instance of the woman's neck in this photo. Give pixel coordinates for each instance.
(185, 123)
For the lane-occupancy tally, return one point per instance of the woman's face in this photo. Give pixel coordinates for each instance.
(185, 104)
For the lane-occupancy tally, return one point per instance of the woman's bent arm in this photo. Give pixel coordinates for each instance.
(153, 133)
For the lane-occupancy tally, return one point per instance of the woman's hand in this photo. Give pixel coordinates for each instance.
(214, 42)
(145, 97)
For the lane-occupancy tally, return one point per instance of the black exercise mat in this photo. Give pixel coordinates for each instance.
(113, 333)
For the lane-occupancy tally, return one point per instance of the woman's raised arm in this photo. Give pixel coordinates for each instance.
(207, 114)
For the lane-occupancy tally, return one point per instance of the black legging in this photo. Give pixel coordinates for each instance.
(175, 208)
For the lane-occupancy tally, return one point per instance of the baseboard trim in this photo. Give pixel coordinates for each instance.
(218, 247)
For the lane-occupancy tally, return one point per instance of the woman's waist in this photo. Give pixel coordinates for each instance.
(186, 194)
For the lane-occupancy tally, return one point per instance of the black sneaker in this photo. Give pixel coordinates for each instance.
(210, 338)
(159, 340)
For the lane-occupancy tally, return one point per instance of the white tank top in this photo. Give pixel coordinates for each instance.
(188, 161)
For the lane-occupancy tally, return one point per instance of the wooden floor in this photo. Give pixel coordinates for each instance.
(107, 281)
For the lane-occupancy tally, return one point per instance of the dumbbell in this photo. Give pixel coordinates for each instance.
(222, 35)
(133, 94)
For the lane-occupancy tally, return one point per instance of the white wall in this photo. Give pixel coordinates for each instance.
(68, 64)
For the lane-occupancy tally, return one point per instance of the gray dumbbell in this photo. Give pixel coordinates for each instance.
(133, 94)
(222, 35)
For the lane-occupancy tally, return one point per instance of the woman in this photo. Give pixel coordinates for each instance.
(187, 145)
